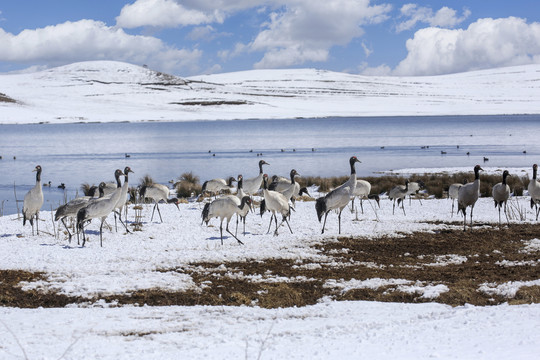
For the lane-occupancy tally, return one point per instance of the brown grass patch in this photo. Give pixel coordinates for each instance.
(461, 261)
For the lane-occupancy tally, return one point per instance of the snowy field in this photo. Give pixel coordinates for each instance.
(105, 91)
(155, 257)
(147, 260)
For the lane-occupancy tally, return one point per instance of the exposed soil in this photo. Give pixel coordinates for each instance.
(485, 255)
(5, 98)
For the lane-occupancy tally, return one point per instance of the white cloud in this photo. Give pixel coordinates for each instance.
(93, 40)
(165, 13)
(486, 43)
(306, 30)
(444, 17)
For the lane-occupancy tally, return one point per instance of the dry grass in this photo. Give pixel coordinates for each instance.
(300, 282)
(435, 184)
(188, 185)
(5, 98)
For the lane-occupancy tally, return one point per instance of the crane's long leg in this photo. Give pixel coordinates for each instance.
(120, 218)
(159, 212)
(63, 222)
(464, 220)
(452, 208)
(221, 230)
(403, 207)
(472, 208)
(270, 224)
(234, 236)
(339, 221)
(37, 223)
(101, 233)
(394, 207)
(506, 214)
(287, 222)
(324, 223)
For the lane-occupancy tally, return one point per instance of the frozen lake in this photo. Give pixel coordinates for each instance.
(77, 153)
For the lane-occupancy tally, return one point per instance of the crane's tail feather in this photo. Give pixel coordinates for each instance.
(205, 213)
(81, 215)
(263, 207)
(320, 206)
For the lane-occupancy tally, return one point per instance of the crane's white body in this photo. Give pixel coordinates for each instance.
(216, 186)
(453, 191)
(240, 194)
(100, 208)
(468, 194)
(338, 198)
(534, 191)
(122, 199)
(252, 185)
(71, 208)
(398, 193)
(276, 202)
(501, 194)
(224, 208)
(33, 200)
(158, 192)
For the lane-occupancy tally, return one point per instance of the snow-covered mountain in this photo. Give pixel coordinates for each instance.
(116, 91)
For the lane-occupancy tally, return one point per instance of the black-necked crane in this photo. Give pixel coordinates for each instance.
(534, 191)
(71, 208)
(252, 185)
(240, 194)
(398, 193)
(362, 191)
(288, 187)
(414, 187)
(468, 195)
(33, 200)
(216, 186)
(501, 193)
(338, 198)
(453, 190)
(275, 202)
(224, 208)
(158, 192)
(100, 208)
(123, 199)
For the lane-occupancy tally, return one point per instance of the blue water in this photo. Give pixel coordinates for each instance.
(89, 153)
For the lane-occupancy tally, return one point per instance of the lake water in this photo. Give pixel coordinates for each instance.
(89, 153)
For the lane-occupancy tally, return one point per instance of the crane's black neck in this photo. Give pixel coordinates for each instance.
(231, 179)
(117, 176)
(535, 169)
(244, 201)
(351, 162)
(38, 174)
(293, 174)
(126, 173)
(505, 174)
(476, 173)
(260, 167)
(240, 184)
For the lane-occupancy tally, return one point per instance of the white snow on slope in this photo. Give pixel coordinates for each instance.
(115, 91)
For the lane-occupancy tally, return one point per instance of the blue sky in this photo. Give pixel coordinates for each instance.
(191, 37)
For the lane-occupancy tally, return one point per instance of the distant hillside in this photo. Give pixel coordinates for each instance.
(116, 91)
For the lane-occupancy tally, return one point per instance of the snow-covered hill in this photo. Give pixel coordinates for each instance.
(116, 91)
